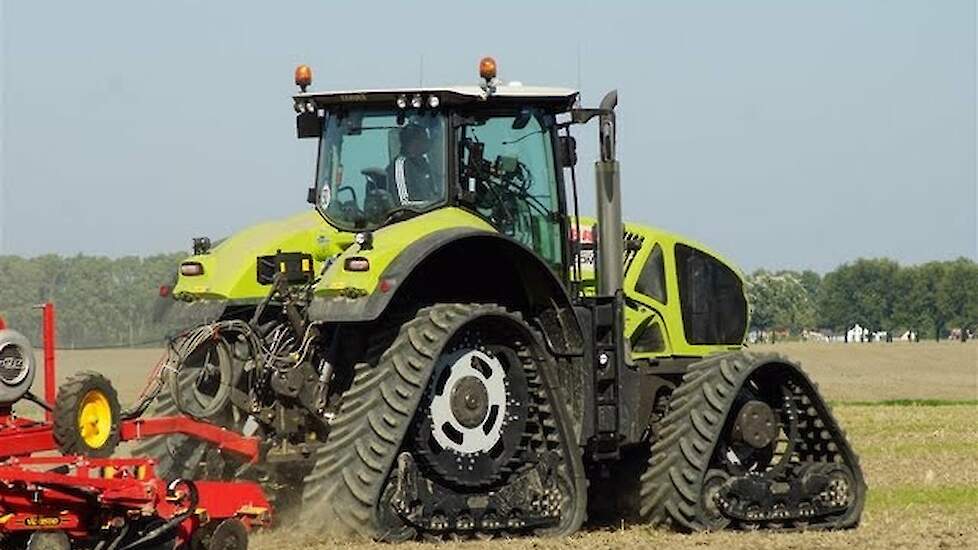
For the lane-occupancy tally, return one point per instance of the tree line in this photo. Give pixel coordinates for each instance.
(101, 302)
(930, 299)
(104, 302)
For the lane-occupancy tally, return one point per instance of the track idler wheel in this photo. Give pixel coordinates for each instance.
(86, 416)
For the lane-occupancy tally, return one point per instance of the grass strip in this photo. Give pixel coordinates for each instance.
(911, 495)
(907, 403)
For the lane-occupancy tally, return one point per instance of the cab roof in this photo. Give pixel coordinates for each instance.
(557, 99)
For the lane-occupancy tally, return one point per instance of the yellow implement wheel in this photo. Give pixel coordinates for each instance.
(86, 416)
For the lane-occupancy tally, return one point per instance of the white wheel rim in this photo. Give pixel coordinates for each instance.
(485, 436)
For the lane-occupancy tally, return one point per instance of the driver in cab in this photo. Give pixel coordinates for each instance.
(409, 173)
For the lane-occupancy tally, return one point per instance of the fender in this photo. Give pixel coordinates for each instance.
(484, 267)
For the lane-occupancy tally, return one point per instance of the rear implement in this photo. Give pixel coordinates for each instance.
(83, 498)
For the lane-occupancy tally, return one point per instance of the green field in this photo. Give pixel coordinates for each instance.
(911, 411)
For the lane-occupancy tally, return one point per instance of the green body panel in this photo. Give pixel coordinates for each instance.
(640, 307)
(230, 267)
(388, 242)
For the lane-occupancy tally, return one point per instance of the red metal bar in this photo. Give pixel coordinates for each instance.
(3, 324)
(25, 440)
(50, 383)
(224, 439)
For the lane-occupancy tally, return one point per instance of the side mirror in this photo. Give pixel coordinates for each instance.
(522, 119)
(567, 147)
(311, 195)
(308, 125)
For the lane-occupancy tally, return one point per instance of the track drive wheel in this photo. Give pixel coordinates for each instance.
(86, 416)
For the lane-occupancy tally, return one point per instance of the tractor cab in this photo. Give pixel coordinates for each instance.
(386, 156)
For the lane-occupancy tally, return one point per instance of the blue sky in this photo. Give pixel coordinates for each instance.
(782, 134)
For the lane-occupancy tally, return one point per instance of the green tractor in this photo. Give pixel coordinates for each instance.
(440, 348)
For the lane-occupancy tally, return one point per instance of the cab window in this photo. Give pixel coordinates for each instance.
(652, 280)
(712, 298)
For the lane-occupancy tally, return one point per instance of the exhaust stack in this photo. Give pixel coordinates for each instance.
(607, 180)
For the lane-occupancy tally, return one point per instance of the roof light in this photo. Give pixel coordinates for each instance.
(416, 101)
(303, 77)
(433, 101)
(401, 102)
(191, 269)
(487, 68)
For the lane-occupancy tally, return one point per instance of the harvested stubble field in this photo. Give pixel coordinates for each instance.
(911, 411)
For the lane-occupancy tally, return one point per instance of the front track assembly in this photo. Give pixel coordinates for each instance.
(376, 474)
(748, 443)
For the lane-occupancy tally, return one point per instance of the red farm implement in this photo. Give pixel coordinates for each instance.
(74, 495)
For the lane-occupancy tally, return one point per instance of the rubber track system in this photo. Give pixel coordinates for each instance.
(671, 486)
(347, 484)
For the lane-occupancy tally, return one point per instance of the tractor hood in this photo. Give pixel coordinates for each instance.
(229, 268)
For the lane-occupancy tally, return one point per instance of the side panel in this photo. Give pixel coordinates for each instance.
(641, 309)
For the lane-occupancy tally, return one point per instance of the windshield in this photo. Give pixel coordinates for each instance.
(377, 167)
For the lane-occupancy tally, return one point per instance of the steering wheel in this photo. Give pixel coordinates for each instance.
(350, 208)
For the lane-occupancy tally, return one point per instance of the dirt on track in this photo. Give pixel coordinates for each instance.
(921, 462)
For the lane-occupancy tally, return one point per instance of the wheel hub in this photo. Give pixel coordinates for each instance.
(756, 424)
(470, 401)
(468, 410)
(95, 419)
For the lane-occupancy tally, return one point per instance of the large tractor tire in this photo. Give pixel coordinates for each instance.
(748, 443)
(454, 431)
